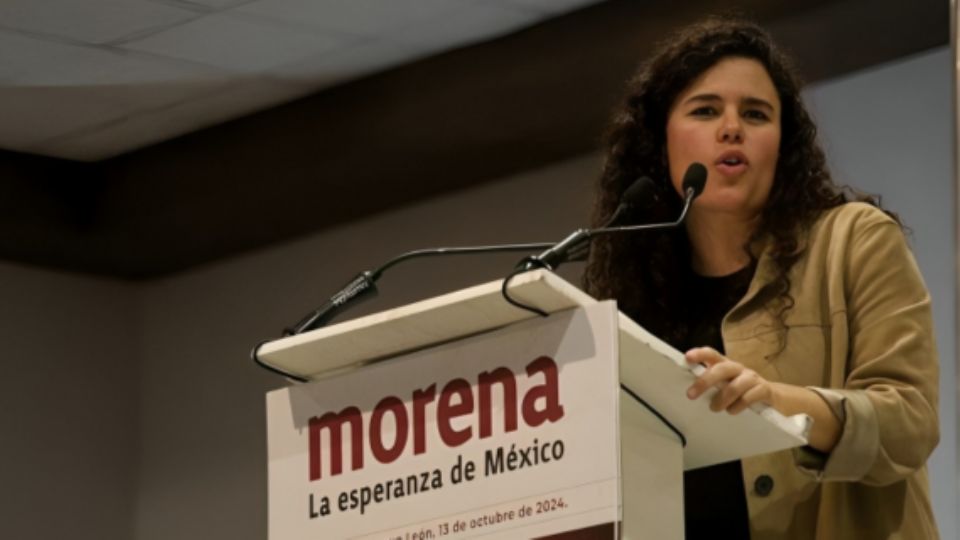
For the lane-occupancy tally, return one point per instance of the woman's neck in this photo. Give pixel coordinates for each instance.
(718, 241)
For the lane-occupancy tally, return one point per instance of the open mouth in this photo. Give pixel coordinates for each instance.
(731, 161)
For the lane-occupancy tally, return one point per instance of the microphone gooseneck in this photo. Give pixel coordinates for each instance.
(694, 181)
(578, 243)
(363, 286)
(638, 195)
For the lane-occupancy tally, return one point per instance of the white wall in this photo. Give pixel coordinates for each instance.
(68, 406)
(889, 130)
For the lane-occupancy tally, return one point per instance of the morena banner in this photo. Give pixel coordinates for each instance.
(507, 434)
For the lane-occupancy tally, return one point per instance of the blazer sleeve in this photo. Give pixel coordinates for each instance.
(888, 404)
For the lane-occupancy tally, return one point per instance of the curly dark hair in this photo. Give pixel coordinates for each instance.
(645, 272)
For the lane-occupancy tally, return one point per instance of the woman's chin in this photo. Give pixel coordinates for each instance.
(726, 203)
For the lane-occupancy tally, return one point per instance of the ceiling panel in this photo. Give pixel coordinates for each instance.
(468, 24)
(168, 52)
(26, 61)
(349, 62)
(546, 6)
(207, 104)
(369, 18)
(211, 4)
(90, 21)
(238, 44)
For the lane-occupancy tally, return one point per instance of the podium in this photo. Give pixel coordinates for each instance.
(463, 416)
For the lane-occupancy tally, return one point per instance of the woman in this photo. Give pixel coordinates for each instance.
(790, 293)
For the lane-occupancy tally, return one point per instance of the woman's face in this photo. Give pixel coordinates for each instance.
(728, 119)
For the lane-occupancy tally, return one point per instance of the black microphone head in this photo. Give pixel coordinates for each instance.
(640, 194)
(695, 178)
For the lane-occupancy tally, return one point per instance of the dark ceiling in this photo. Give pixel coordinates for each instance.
(441, 124)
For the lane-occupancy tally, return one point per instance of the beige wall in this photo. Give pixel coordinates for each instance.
(68, 406)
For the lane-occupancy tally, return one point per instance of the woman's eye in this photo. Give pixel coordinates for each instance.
(754, 114)
(703, 111)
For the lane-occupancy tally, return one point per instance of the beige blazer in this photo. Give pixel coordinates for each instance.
(861, 335)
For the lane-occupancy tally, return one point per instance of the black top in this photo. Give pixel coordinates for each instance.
(714, 499)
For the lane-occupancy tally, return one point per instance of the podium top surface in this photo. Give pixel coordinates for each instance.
(649, 367)
(351, 344)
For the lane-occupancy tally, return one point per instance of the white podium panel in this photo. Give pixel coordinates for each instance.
(509, 434)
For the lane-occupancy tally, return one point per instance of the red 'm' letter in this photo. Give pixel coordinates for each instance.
(334, 424)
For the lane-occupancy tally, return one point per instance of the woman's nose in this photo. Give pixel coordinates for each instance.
(731, 131)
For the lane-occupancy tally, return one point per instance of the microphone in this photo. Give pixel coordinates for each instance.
(363, 286)
(694, 181)
(638, 195)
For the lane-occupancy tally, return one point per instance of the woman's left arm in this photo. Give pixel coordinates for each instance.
(889, 395)
(881, 424)
(741, 387)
